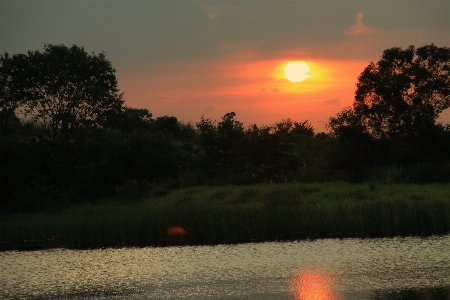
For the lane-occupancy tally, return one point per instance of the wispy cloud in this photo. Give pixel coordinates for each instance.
(214, 9)
(359, 28)
(210, 108)
(332, 101)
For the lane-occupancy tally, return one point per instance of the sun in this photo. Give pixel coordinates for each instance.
(296, 71)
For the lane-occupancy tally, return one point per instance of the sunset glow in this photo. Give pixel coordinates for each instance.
(256, 89)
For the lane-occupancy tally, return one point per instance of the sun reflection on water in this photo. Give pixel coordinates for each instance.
(310, 284)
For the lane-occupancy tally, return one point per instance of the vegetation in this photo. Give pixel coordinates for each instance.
(62, 88)
(402, 95)
(67, 142)
(393, 119)
(231, 214)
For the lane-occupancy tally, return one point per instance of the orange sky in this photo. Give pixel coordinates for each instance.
(256, 90)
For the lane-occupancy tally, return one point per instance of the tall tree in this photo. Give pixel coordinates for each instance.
(8, 86)
(401, 95)
(63, 88)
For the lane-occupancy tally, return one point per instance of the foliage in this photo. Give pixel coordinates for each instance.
(61, 88)
(399, 96)
(392, 122)
(129, 119)
(8, 87)
(293, 131)
(255, 154)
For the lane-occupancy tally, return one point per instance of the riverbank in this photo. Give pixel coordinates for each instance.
(237, 214)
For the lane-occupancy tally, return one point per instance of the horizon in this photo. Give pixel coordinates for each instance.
(207, 58)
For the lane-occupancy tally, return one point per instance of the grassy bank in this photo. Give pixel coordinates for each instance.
(235, 214)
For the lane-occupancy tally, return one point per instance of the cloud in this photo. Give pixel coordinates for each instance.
(213, 10)
(359, 28)
(210, 108)
(332, 101)
(264, 90)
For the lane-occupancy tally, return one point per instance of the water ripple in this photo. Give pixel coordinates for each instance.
(398, 268)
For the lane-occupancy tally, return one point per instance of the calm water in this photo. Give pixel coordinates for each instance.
(399, 268)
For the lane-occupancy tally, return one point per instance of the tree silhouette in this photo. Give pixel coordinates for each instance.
(128, 119)
(401, 95)
(62, 88)
(8, 88)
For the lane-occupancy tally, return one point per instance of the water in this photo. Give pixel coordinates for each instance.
(399, 268)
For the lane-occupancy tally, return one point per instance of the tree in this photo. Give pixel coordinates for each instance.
(264, 155)
(347, 125)
(230, 132)
(401, 95)
(129, 119)
(292, 131)
(208, 142)
(220, 144)
(62, 88)
(8, 103)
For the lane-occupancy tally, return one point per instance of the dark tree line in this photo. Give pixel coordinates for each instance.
(66, 136)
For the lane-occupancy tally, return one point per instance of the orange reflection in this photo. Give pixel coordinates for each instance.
(310, 285)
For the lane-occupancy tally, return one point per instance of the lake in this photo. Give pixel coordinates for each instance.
(385, 268)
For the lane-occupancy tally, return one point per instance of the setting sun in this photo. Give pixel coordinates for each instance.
(296, 71)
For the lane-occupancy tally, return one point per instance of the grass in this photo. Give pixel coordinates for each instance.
(235, 214)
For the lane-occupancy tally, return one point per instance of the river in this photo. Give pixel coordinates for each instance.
(388, 268)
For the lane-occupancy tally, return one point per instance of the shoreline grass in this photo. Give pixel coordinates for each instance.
(238, 214)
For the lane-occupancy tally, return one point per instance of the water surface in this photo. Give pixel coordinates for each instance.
(398, 268)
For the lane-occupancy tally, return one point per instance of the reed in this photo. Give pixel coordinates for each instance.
(236, 214)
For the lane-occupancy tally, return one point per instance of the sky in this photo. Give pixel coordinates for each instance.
(194, 58)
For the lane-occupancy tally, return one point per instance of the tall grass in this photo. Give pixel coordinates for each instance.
(235, 214)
